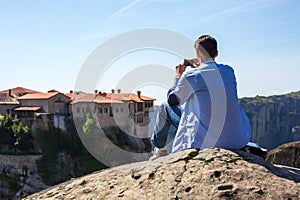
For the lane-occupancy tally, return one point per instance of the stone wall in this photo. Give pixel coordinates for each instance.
(122, 115)
(20, 161)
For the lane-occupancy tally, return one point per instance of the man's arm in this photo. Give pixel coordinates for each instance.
(180, 92)
(181, 89)
(172, 98)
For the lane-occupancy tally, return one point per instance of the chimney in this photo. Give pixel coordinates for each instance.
(9, 92)
(96, 91)
(113, 91)
(139, 93)
(119, 91)
(71, 91)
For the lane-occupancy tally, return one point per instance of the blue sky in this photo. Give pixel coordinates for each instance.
(43, 44)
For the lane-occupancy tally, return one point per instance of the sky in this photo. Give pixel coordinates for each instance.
(43, 44)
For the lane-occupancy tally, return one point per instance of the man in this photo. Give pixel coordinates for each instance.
(212, 116)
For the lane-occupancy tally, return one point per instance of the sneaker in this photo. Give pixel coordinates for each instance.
(158, 152)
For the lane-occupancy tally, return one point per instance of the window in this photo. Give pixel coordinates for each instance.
(100, 110)
(105, 110)
(78, 110)
(140, 106)
(116, 109)
(147, 104)
(121, 109)
(139, 118)
(111, 112)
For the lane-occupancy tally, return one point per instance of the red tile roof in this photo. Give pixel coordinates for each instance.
(83, 97)
(69, 95)
(129, 97)
(103, 99)
(89, 97)
(19, 91)
(6, 99)
(107, 98)
(38, 96)
(27, 108)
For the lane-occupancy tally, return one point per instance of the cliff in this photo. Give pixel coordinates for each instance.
(275, 120)
(190, 174)
(19, 176)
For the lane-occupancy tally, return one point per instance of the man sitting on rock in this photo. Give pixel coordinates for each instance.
(212, 116)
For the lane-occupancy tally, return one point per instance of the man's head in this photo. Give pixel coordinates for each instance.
(206, 46)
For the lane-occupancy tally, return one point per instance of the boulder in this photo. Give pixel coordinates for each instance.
(287, 154)
(189, 174)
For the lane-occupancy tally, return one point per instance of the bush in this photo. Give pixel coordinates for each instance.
(14, 134)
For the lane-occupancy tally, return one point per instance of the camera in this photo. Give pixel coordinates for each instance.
(190, 62)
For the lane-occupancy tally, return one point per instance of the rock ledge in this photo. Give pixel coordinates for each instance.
(190, 174)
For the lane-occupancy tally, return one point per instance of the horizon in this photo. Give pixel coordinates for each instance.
(46, 43)
(122, 92)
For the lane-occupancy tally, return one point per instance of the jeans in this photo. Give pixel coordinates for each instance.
(165, 129)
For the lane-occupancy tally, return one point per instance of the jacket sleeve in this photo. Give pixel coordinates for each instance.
(180, 92)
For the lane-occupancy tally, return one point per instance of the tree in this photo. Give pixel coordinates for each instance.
(6, 134)
(14, 134)
(23, 138)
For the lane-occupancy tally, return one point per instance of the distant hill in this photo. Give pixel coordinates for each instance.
(274, 119)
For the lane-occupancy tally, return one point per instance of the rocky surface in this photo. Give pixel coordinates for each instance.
(287, 154)
(190, 174)
(16, 183)
(275, 120)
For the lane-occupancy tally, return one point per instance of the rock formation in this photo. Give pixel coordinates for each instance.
(287, 154)
(275, 120)
(190, 174)
(16, 183)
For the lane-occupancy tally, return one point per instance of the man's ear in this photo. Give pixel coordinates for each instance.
(198, 53)
(217, 54)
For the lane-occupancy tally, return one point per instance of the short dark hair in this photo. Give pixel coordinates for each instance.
(208, 43)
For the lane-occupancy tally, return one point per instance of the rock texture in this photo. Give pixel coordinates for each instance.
(287, 154)
(16, 183)
(190, 174)
(275, 120)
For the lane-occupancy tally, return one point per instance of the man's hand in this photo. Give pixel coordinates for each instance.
(182, 66)
(180, 69)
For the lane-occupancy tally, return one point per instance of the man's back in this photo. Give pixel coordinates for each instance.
(212, 116)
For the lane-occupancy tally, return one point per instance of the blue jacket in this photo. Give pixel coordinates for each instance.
(212, 116)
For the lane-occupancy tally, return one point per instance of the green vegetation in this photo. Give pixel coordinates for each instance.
(260, 97)
(90, 164)
(14, 134)
(89, 126)
(12, 183)
(52, 140)
(294, 94)
(58, 146)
